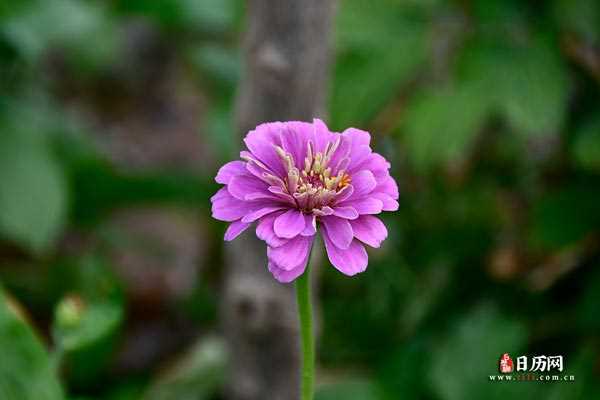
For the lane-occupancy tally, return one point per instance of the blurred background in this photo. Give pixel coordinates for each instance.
(115, 115)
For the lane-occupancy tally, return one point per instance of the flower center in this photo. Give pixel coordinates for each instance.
(315, 186)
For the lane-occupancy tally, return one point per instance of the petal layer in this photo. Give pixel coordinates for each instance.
(291, 254)
(338, 230)
(369, 230)
(350, 261)
(289, 224)
(234, 229)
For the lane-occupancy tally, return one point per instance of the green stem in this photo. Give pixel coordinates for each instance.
(306, 333)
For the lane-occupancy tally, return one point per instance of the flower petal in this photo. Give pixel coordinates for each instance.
(344, 193)
(261, 212)
(369, 230)
(310, 228)
(229, 170)
(246, 187)
(321, 135)
(289, 224)
(260, 170)
(325, 210)
(264, 230)
(338, 230)
(262, 141)
(375, 163)
(225, 207)
(291, 254)
(279, 193)
(389, 204)
(366, 205)
(350, 261)
(285, 276)
(234, 229)
(346, 212)
(294, 140)
(360, 148)
(363, 183)
(341, 156)
(388, 186)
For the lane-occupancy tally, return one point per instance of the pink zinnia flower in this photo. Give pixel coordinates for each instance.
(297, 177)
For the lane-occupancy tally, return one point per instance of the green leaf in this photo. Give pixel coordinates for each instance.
(566, 216)
(527, 84)
(88, 333)
(79, 324)
(469, 353)
(197, 376)
(219, 63)
(380, 47)
(207, 16)
(25, 369)
(82, 28)
(536, 91)
(348, 389)
(33, 196)
(580, 17)
(87, 321)
(403, 372)
(440, 125)
(587, 306)
(586, 148)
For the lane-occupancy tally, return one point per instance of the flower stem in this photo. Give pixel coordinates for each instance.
(303, 298)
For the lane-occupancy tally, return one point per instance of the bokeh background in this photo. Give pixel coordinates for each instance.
(115, 115)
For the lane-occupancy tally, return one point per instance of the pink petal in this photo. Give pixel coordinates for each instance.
(350, 261)
(229, 170)
(340, 157)
(388, 186)
(344, 194)
(311, 225)
(261, 212)
(375, 163)
(294, 139)
(264, 230)
(358, 137)
(261, 142)
(339, 231)
(366, 205)
(325, 210)
(363, 183)
(285, 276)
(389, 204)
(227, 208)
(244, 186)
(291, 254)
(289, 224)
(222, 193)
(346, 212)
(321, 135)
(234, 229)
(369, 230)
(260, 170)
(360, 148)
(279, 193)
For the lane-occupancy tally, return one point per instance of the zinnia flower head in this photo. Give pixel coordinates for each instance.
(297, 178)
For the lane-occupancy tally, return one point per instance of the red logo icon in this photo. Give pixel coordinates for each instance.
(506, 364)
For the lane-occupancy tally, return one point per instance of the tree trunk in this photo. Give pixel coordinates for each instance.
(287, 55)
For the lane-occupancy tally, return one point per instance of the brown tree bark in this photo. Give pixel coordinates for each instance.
(287, 54)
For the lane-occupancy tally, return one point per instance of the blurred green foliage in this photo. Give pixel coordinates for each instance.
(26, 371)
(487, 110)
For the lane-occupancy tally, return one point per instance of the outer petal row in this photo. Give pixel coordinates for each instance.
(349, 261)
(291, 254)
